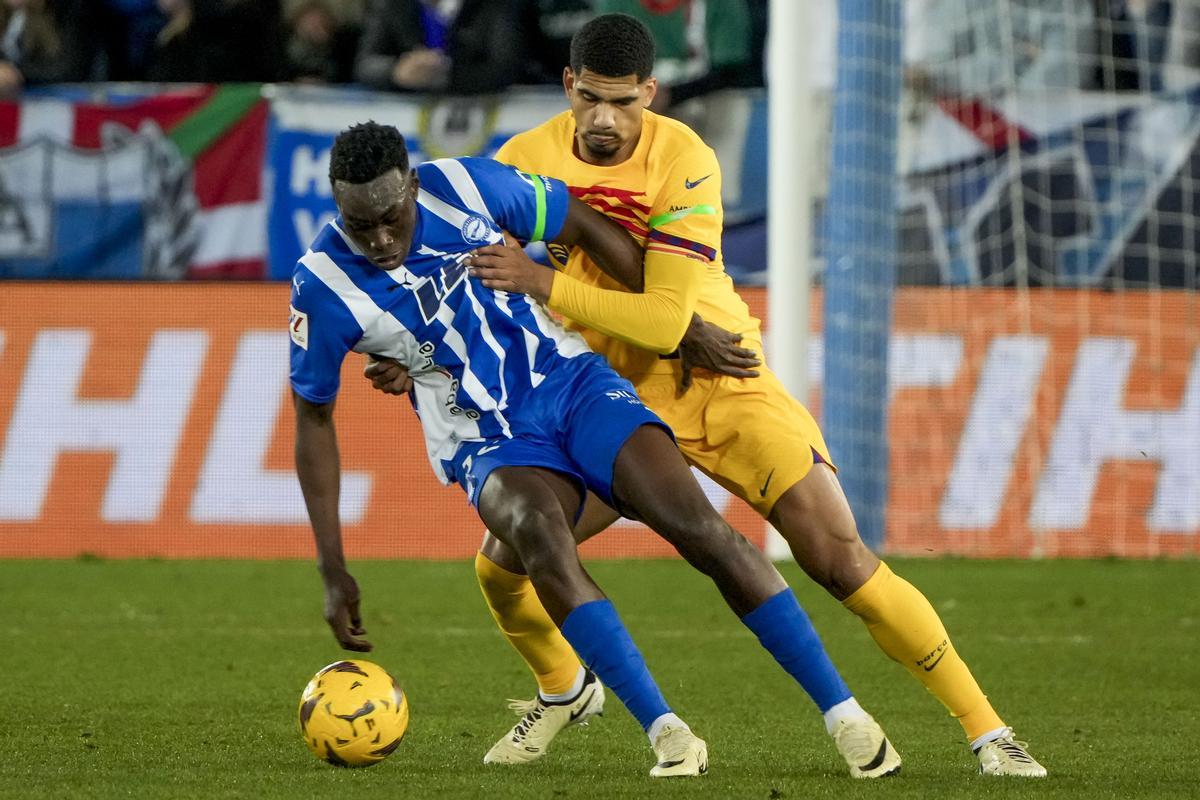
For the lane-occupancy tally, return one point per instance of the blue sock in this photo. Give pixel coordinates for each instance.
(786, 631)
(600, 639)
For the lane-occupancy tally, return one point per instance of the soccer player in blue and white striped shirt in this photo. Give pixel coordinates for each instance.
(514, 408)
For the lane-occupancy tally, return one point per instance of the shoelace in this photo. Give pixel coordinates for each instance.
(1014, 749)
(530, 711)
(522, 707)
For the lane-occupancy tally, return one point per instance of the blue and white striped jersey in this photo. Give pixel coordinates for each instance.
(473, 353)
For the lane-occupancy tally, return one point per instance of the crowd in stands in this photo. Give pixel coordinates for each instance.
(451, 46)
(481, 46)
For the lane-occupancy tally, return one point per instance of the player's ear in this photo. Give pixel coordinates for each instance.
(568, 80)
(414, 181)
(651, 86)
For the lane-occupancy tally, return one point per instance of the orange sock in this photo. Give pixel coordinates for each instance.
(528, 628)
(906, 627)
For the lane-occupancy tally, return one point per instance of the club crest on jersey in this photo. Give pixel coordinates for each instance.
(298, 327)
(435, 288)
(476, 230)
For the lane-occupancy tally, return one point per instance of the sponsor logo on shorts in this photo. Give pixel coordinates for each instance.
(623, 394)
(763, 491)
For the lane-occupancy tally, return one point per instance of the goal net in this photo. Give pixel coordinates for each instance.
(1011, 362)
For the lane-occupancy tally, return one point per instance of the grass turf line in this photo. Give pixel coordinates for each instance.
(180, 679)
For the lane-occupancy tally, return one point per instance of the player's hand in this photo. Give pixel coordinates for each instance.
(387, 375)
(508, 268)
(707, 346)
(341, 611)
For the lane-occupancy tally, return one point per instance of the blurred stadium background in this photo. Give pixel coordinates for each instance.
(985, 278)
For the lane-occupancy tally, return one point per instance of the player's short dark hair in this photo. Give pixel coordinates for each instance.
(613, 45)
(363, 152)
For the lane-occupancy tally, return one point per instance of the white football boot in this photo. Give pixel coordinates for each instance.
(541, 721)
(680, 753)
(866, 748)
(1006, 756)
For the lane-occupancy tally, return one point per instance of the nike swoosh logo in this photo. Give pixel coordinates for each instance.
(666, 764)
(693, 184)
(582, 709)
(929, 667)
(763, 491)
(877, 760)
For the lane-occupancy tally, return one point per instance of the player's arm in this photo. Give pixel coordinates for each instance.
(684, 237)
(322, 332)
(319, 469)
(658, 312)
(654, 315)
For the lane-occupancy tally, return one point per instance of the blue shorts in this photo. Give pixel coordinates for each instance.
(575, 422)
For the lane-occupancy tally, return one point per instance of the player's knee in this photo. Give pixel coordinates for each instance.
(839, 567)
(499, 554)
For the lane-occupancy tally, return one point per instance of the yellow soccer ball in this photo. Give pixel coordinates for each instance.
(353, 714)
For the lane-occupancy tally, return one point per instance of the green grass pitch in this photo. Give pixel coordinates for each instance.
(180, 679)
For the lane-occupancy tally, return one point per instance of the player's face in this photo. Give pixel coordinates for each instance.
(380, 216)
(608, 113)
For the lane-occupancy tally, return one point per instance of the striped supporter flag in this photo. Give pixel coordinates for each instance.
(167, 186)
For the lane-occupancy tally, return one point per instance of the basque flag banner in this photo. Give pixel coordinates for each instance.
(159, 187)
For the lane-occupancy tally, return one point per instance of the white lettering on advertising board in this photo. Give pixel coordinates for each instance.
(49, 419)
(1093, 427)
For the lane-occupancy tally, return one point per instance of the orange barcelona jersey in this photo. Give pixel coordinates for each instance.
(667, 194)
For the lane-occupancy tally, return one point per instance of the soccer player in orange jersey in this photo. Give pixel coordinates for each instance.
(659, 180)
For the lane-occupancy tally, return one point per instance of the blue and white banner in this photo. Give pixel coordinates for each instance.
(304, 122)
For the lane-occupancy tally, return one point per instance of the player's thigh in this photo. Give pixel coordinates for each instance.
(595, 517)
(764, 446)
(601, 415)
(815, 519)
(652, 483)
(528, 509)
(524, 504)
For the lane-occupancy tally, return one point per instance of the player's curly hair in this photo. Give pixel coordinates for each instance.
(363, 152)
(613, 45)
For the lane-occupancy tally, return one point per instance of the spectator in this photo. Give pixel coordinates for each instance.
(701, 47)
(214, 41)
(456, 46)
(320, 46)
(126, 31)
(42, 41)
